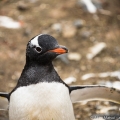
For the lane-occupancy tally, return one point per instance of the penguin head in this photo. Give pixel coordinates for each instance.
(43, 49)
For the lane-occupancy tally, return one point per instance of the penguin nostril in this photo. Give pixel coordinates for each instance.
(38, 49)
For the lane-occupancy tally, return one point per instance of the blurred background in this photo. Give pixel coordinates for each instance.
(90, 29)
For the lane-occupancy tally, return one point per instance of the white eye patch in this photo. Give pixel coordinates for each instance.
(34, 41)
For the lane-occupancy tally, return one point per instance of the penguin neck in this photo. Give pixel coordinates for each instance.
(34, 73)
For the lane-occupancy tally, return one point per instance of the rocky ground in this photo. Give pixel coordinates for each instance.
(74, 27)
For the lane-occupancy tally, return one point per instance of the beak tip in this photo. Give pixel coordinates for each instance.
(65, 50)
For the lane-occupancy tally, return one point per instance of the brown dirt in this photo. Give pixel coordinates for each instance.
(38, 18)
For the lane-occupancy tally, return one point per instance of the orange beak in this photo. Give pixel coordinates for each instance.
(60, 50)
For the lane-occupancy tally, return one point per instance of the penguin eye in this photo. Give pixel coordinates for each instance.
(38, 49)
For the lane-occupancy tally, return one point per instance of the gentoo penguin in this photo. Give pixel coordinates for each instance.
(40, 93)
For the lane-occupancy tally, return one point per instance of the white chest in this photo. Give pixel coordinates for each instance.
(43, 101)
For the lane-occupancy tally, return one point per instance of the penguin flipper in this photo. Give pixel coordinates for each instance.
(5, 95)
(94, 92)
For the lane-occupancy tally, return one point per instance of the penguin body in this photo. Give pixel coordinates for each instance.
(42, 101)
(40, 93)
